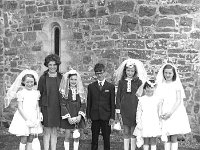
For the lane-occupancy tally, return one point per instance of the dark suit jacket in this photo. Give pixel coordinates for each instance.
(101, 103)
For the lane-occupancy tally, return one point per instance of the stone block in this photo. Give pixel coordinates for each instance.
(8, 33)
(31, 9)
(196, 108)
(13, 64)
(128, 23)
(127, 6)
(186, 21)
(61, 2)
(174, 10)
(135, 44)
(11, 52)
(5, 19)
(10, 5)
(81, 12)
(166, 23)
(30, 36)
(102, 11)
(53, 7)
(37, 27)
(17, 41)
(77, 36)
(6, 42)
(146, 11)
(105, 44)
(111, 54)
(43, 9)
(101, 2)
(139, 54)
(163, 36)
(113, 20)
(146, 22)
(67, 12)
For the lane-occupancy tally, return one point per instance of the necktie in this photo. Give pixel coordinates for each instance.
(100, 85)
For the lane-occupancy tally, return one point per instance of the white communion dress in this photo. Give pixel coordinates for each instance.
(147, 113)
(178, 123)
(29, 100)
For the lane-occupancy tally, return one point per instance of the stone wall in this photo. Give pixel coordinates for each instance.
(109, 31)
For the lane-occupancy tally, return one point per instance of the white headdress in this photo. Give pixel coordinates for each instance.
(64, 85)
(142, 74)
(12, 91)
(160, 78)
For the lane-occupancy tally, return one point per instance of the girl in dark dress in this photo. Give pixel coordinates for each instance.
(129, 77)
(72, 108)
(49, 101)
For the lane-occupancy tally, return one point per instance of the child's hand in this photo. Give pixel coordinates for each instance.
(119, 116)
(78, 118)
(166, 116)
(40, 116)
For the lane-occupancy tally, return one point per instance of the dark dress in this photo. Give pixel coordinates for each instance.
(50, 100)
(127, 101)
(73, 108)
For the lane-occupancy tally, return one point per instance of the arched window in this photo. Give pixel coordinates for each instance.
(56, 37)
(57, 40)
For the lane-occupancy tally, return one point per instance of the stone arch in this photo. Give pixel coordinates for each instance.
(47, 38)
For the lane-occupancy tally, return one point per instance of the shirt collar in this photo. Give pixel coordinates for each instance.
(102, 82)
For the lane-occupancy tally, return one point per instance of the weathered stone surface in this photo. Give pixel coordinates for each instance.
(166, 23)
(128, 23)
(67, 12)
(146, 11)
(10, 5)
(174, 10)
(31, 9)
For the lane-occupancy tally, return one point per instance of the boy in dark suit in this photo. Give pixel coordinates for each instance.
(101, 107)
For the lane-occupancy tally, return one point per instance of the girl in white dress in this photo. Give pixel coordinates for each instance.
(147, 117)
(173, 113)
(26, 119)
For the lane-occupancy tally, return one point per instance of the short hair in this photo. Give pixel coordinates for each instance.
(124, 75)
(99, 67)
(168, 66)
(30, 76)
(52, 57)
(147, 85)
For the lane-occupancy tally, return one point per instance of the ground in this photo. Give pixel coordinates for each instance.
(11, 142)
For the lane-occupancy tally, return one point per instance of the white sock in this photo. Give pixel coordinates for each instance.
(76, 144)
(66, 145)
(145, 147)
(133, 143)
(174, 146)
(22, 146)
(153, 147)
(126, 144)
(167, 146)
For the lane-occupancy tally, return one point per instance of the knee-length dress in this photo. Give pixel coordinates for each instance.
(72, 108)
(127, 101)
(50, 99)
(178, 123)
(29, 99)
(148, 117)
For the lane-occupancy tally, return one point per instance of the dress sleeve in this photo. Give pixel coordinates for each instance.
(118, 97)
(88, 108)
(82, 107)
(38, 95)
(64, 111)
(20, 96)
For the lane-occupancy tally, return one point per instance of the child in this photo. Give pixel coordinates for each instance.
(129, 77)
(26, 119)
(72, 109)
(148, 116)
(174, 117)
(100, 107)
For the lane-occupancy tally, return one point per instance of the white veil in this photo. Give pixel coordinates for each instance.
(160, 78)
(12, 91)
(64, 84)
(142, 74)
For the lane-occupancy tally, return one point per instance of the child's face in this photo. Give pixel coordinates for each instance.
(52, 67)
(149, 91)
(29, 83)
(130, 72)
(168, 74)
(100, 75)
(73, 80)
